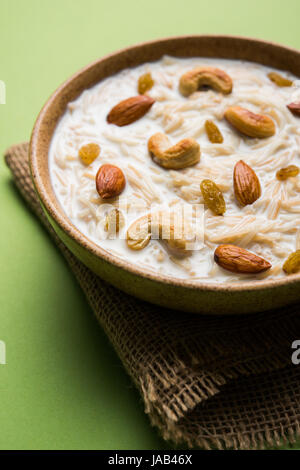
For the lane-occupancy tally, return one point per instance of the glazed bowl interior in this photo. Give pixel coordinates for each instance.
(203, 46)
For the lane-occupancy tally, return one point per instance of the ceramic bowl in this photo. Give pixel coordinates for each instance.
(229, 298)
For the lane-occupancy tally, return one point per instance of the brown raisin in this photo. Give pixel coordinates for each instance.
(285, 173)
(279, 80)
(292, 264)
(213, 197)
(88, 153)
(213, 132)
(145, 83)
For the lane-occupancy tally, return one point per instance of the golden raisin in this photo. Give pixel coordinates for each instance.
(88, 153)
(287, 172)
(213, 197)
(145, 83)
(279, 80)
(292, 264)
(114, 221)
(213, 132)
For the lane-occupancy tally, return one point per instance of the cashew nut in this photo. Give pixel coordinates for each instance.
(205, 76)
(138, 234)
(181, 155)
(160, 225)
(251, 124)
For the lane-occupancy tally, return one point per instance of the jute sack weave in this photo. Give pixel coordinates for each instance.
(209, 382)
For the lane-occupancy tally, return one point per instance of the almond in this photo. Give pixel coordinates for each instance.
(110, 181)
(215, 78)
(294, 108)
(130, 110)
(238, 260)
(248, 123)
(246, 184)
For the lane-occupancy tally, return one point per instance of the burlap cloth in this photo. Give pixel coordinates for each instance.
(208, 382)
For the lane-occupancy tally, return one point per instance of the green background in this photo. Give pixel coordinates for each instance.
(63, 385)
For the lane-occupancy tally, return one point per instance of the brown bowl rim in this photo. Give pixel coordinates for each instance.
(67, 226)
